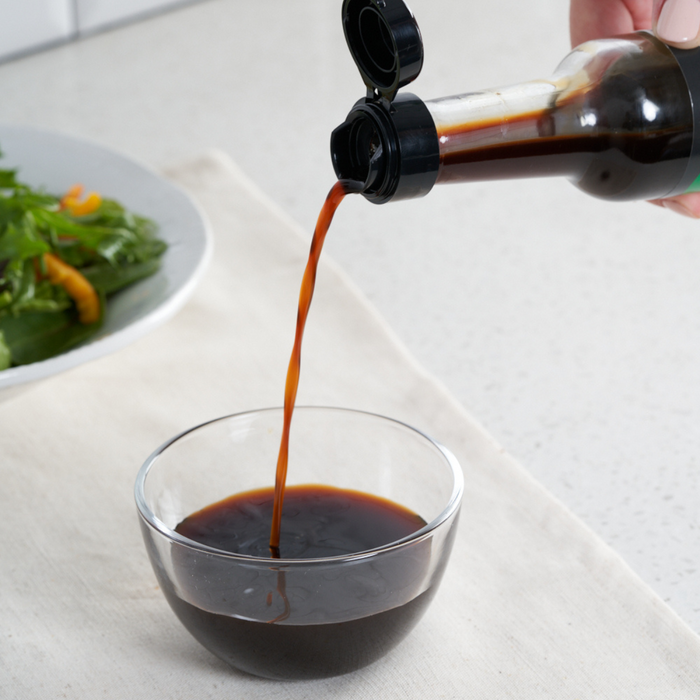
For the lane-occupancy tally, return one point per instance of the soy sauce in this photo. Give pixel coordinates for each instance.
(318, 522)
(328, 636)
(308, 282)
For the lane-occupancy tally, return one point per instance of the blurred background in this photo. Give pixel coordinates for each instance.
(32, 25)
(568, 326)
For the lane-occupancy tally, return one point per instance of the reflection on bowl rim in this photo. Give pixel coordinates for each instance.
(445, 514)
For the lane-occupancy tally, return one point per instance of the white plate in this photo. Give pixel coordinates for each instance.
(55, 162)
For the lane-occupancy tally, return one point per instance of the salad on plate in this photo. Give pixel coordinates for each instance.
(61, 257)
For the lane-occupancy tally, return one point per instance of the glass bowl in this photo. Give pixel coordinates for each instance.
(300, 618)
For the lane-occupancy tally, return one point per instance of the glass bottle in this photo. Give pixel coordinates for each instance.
(616, 118)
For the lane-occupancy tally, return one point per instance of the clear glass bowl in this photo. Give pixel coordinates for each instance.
(294, 619)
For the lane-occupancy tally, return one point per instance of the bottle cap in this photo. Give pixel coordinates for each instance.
(385, 43)
(393, 153)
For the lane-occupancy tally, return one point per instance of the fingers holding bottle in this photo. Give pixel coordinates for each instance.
(594, 19)
(677, 22)
(685, 204)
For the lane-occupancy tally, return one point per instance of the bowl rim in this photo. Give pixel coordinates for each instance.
(450, 510)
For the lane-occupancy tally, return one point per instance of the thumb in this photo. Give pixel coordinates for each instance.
(685, 204)
(677, 22)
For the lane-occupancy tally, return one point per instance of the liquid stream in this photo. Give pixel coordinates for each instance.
(338, 192)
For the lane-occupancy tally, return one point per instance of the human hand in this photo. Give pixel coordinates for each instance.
(676, 22)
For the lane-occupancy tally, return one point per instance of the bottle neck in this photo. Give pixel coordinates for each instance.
(510, 132)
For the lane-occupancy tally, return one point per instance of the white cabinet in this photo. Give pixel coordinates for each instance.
(31, 24)
(26, 25)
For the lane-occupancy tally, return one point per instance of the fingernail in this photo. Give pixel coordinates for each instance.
(679, 20)
(679, 208)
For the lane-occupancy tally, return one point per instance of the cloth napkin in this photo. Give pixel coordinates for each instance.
(533, 604)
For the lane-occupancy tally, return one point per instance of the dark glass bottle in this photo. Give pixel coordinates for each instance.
(616, 118)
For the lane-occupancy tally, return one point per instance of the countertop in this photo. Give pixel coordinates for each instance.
(569, 327)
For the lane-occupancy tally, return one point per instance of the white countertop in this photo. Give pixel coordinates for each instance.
(568, 326)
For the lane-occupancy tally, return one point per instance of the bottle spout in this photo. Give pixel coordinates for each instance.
(393, 151)
(357, 152)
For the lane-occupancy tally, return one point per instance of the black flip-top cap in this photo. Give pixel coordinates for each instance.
(385, 42)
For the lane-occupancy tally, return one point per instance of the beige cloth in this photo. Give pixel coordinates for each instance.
(533, 604)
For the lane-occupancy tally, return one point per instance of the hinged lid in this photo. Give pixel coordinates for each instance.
(385, 42)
